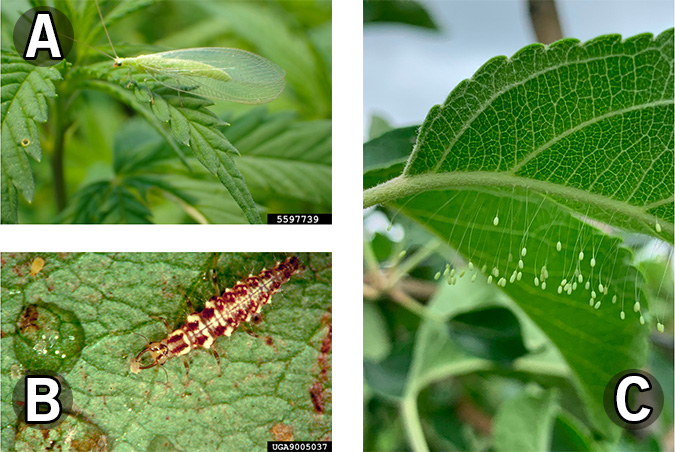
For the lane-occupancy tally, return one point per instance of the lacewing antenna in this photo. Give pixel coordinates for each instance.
(82, 43)
(139, 334)
(100, 14)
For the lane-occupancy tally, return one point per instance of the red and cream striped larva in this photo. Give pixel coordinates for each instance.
(221, 315)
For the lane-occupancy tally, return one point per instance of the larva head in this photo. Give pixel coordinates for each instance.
(159, 352)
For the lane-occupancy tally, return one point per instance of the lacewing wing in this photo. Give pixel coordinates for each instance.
(221, 73)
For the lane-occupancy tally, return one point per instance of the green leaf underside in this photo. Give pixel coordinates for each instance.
(585, 123)
(266, 376)
(596, 343)
(524, 422)
(492, 333)
(25, 88)
(539, 143)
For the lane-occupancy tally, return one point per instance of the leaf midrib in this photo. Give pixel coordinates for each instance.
(404, 186)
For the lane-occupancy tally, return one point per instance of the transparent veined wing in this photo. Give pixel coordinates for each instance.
(234, 75)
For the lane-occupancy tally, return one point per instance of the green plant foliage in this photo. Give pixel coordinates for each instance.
(24, 91)
(189, 125)
(283, 159)
(266, 378)
(492, 333)
(569, 120)
(407, 12)
(530, 170)
(525, 422)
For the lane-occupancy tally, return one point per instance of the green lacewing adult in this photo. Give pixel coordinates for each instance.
(219, 73)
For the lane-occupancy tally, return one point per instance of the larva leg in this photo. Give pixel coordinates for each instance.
(189, 304)
(214, 275)
(215, 355)
(166, 324)
(166, 374)
(248, 328)
(190, 307)
(186, 380)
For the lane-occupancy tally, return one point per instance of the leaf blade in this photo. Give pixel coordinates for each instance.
(25, 88)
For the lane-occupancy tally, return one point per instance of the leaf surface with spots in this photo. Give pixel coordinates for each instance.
(276, 378)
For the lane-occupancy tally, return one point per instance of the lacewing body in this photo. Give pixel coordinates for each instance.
(221, 73)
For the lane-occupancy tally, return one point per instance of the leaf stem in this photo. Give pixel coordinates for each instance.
(404, 186)
(58, 127)
(413, 305)
(413, 261)
(413, 426)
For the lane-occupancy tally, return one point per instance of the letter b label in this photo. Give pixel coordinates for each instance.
(42, 399)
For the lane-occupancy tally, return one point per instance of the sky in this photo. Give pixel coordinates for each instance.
(407, 70)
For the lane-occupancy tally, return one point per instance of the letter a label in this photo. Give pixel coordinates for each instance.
(43, 36)
(43, 25)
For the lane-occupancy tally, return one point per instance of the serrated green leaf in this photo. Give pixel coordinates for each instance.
(265, 377)
(384, 157)
(108, 202)
(180, 127)
(229, 175)
(10, 203)
(25, 88)
(570, 120)
(283, 157)
(209, 144)
(522, 161)
(126, 97)
(160, 108)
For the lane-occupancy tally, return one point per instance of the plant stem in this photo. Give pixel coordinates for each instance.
(409, 264)
(369, 258)
(413, 305)
(544, 16)
(58, 126)
(411, 421)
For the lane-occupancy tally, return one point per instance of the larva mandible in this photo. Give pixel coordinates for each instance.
(221, 315)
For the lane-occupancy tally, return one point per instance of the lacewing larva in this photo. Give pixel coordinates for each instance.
(221, 315)
(222, 73)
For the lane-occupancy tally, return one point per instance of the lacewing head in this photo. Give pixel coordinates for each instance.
(159, 353)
